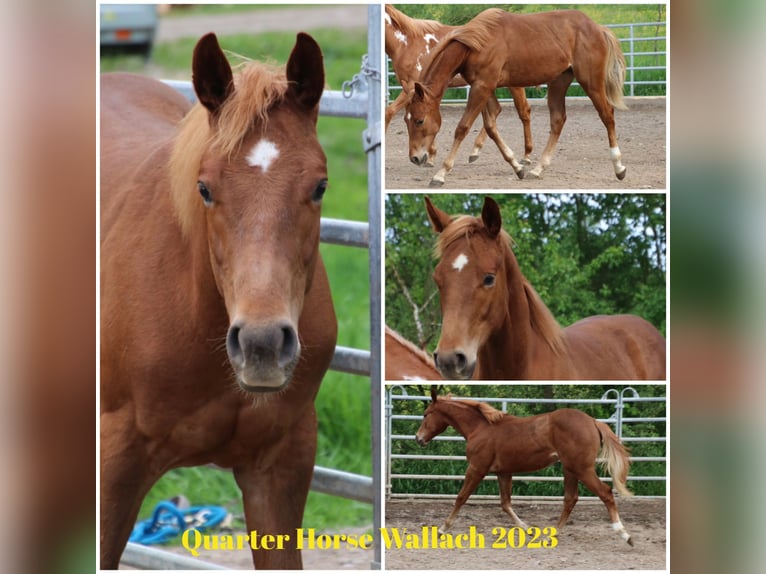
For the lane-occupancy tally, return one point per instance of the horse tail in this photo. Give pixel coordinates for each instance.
(615, 70)
(614, 457)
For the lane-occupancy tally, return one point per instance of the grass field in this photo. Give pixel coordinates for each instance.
(343, 404)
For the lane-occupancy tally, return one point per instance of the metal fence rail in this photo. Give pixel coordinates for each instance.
(619, 399)
(633, 47)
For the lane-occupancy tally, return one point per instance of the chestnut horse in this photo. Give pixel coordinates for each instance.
(209, 255)
(504, 444)
(498, 49)
(408, 44)
(406, 362)
(494, 322)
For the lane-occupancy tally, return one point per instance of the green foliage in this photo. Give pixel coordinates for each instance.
(343, 402)
(585, 254)
(548, 392)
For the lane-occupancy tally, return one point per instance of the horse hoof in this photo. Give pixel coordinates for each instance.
(520, 173)
(472, 158)
(630, 541)
(436, 183)
(621, 175)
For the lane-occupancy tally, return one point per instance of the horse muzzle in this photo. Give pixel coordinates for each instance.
(421, 160)
(420, 440)
(454, 365)
(263, 356)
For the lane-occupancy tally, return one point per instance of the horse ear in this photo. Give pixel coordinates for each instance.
(434, 396)
(211, 73)
(490, 215)
(418, 92)
(305, 71)
(439, 219)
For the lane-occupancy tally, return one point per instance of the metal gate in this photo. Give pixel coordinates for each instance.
(618, 398)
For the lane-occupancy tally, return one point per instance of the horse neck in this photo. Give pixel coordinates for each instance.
(445, 63)
(508, 352)
(463, 419)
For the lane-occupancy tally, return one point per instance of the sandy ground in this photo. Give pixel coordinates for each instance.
(587, 542)
(581, 160)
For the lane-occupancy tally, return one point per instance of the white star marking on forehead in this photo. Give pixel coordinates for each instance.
(460, 262)
(263, 155)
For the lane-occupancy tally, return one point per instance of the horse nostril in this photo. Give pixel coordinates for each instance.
(461, 361)
(233, 346)
(414, 159)
(289, 346)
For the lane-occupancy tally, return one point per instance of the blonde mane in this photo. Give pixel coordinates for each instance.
(258, 88)
(540, 317)
(490, 414)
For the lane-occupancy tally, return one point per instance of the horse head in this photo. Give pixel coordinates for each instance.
(472, 283)
(434, 422)
(423, 119)
(259, 187)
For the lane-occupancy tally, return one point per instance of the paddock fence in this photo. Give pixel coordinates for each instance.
(402, 453)
(643, 44)
(353, 101)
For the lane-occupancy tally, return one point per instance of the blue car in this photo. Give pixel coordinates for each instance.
(130, 26)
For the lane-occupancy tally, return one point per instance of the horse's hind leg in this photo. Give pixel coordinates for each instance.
(606, 112)
(604, 492)
(505, 481)
(557, 90)
(570, 496)
(490, 125)
(472, 479)
(493, 107)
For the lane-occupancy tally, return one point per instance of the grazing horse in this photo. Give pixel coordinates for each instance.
(504, 444)
(408, 43)
(493, 320)
(498, 49)
(217, 324)
(405, 362)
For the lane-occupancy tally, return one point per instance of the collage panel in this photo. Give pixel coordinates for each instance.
(526, 476)
(587, 84)
(554, 286)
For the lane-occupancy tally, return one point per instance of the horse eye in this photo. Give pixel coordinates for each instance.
(205, 193)
(419, 122)
(489, 280)
(319, 191)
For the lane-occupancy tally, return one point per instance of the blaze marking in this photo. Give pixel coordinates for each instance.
(263, 155)
(460, 262)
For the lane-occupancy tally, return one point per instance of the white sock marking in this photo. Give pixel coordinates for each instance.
(460, 262)
(263, 155)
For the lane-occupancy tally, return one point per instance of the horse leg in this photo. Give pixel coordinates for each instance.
(505, 481)
(491, 126)
(472, 479)
(477, 100)
(591, 480)
(275, 485)
(557, 90)
(393, 108)
(570, 496)
(605, 111)
(125, 481)
(524, 111)
(493, 107)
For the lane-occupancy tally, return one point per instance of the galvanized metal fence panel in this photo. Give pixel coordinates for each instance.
(631, 47)
(619, 399)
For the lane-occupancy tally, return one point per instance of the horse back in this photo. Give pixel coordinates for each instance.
(617, 347)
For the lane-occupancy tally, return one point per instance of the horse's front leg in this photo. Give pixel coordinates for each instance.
(505, 482)
(473, 477)
(125, 480)
(489, 114)
(524, 111)
(477, 100)
(275, 485)
(393, 108)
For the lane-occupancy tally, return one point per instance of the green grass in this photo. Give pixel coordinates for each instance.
(343, 403)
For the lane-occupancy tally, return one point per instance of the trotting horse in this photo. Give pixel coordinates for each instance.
(498, 49)
(494, 322)
(406, 362)
(217, 324)
(504, 444)
(409, 42)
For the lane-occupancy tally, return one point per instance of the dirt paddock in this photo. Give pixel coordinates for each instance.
(586, 543)
(581, 159)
